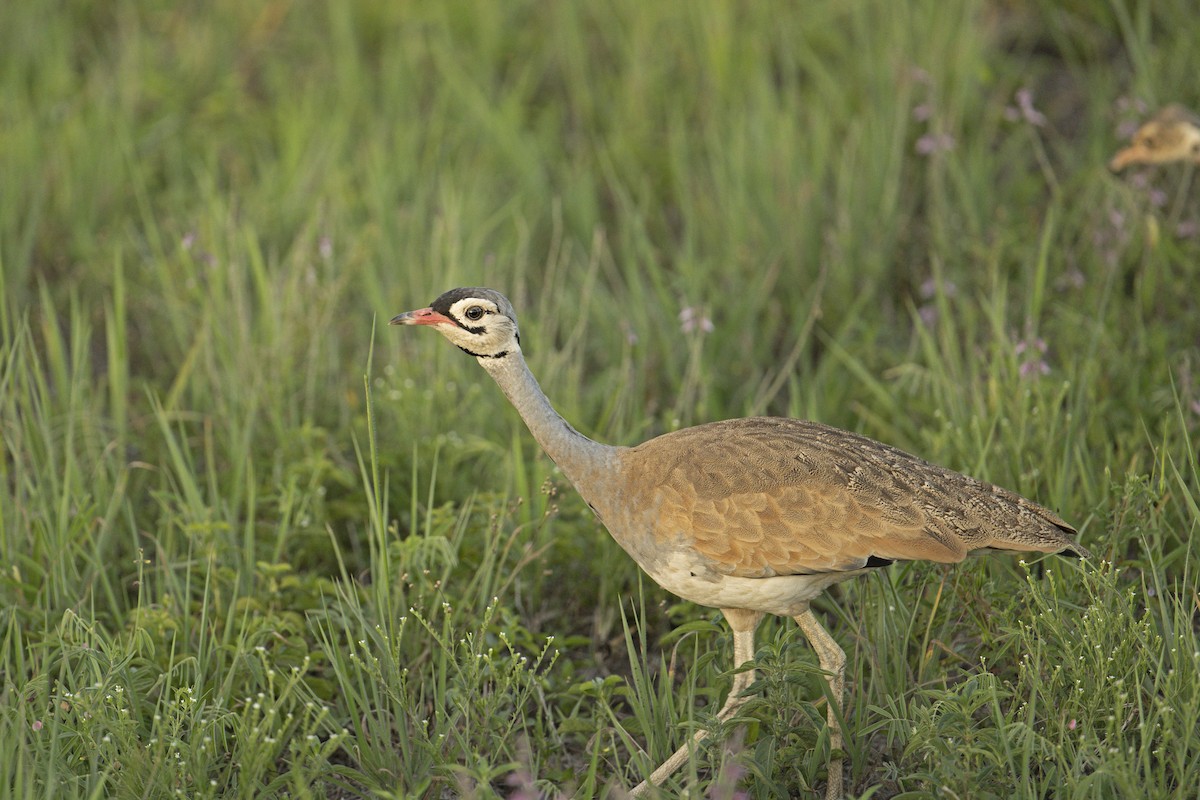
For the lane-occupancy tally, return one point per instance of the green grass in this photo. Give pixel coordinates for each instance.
(257, 544)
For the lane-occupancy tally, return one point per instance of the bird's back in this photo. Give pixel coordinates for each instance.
(768, 496)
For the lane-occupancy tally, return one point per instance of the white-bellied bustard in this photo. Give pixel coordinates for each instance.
(754, 516)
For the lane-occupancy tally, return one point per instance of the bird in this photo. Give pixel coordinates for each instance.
(1173, 134)
(754, 516)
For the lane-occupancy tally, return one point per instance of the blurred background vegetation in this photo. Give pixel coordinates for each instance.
(256, 544)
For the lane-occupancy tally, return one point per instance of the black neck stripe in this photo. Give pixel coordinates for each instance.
(501, 354)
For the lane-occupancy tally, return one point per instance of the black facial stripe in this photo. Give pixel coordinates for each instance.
(443, 304)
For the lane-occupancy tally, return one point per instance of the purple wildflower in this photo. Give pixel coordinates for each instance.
(932, 143)
(692, 319)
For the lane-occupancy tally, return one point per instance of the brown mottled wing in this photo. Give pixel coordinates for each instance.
(772, 496)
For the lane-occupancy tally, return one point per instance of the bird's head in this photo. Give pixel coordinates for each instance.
(1172, 135)
(481, 322)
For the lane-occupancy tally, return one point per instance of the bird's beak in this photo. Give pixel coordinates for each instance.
(1126, 156)
(422, 316)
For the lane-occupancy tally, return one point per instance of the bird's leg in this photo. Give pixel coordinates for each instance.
(833, 661)
(743, 624)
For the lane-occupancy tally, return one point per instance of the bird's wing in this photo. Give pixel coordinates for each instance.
(772, 496)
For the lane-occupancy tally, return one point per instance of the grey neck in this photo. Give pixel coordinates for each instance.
(586, 463)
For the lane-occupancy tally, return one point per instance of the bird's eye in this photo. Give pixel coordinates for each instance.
(1149, 142)
(475, 313)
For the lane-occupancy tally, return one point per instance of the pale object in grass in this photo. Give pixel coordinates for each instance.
(757, 515)
(1173, 134)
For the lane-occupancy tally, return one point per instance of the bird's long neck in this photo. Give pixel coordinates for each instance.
(586, 463)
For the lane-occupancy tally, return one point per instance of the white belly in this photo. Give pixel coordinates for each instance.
(785, 595)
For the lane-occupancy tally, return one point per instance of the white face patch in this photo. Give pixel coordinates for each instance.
(483, 330)
(473, 312)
